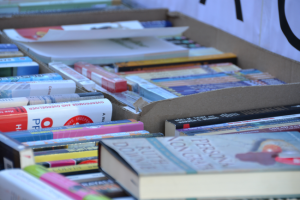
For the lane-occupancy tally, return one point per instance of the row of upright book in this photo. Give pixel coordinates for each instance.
(58, 144)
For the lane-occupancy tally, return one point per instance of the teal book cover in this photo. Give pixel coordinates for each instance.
(211, 154)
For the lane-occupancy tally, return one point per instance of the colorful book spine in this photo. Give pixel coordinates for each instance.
(18, 68)
(107, 80)
(261, 121)
(76, 169)
(71, 188)
(45, 116)
(15, 60)
(157, 24)
(69, 162)
(146, 64)
(35, 77)
(69, 73)
(149, 90)
(78, 132)
(9, 54)
(203, 76)
(64, 151)
(36, 88)
(64, 156)
(106, 187)
(92, 138)
(204, 120)
(36, 100)
(8, 47)
(18, 184)
(290, 124)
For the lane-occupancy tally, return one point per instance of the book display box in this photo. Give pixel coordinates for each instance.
(154, 114)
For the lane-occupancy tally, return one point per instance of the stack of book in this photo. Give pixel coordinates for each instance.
(58, 144)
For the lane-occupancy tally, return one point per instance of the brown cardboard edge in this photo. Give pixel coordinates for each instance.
(218, 101)
(54, 19)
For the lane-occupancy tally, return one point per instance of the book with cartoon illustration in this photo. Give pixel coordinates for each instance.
(218, 166)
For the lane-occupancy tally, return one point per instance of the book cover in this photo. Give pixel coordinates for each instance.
(223, 163)
(36, 88)
(18, 184)
(87, 130)
(172, 125)
(45, 115)
(69, 73)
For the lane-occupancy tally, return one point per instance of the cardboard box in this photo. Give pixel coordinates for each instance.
(213, 102)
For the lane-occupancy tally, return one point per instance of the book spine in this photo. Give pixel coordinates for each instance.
(64, 151)
(45, 116)
(78, 132)
(65, 156)
(18, 69)
(235, 116)
(72, 74)
(241, 124)
(36, 88)
(146, 64)
(62, 184)
(150, 90)
(35, 77)
(8, 47)
(84, 138)
(76, 169)
(69, 162)
(107, 80)
(246, 127)
(15, 60)
(238, 123)
(8, 54)
(17, 184)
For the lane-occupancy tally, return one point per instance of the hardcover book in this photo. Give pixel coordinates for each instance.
(224, 166)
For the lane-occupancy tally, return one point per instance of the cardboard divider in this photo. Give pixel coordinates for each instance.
(213, 102)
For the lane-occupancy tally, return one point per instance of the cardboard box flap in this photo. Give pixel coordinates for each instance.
(218, 101)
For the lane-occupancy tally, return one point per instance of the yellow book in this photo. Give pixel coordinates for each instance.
(65, 156)
(75, 168)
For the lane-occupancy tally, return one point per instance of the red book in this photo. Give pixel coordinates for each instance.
(109, 81)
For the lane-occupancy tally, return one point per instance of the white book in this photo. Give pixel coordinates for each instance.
(105, 51)
(17, 184)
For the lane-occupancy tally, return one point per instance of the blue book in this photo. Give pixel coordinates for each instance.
(18, 68)
(35, 77)
(15, 60)
(8, 47)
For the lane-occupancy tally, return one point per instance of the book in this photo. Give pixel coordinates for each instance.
(104, 51)
(70, 188)
(18, 184)
(65, 156)
(252, 162)
(36, 88)
(288, 124)
(13, 154)
(8, 48)
(107, 80)
(76, 170)
(69, 162)
(66, 142)
(18, 68)
(189, 122)
(182, 71)
(41, 143)
(149, 90)
(107, 187)
(47, 99)
(33, 77)
(144, 64)
(9, 54)
(45, 115)
(87, 177)
(157, 24)
(69, 73)
(86, 130)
